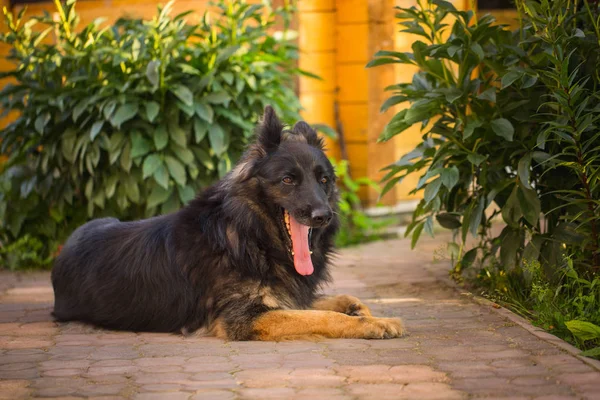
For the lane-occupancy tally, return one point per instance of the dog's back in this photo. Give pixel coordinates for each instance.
(120, 275)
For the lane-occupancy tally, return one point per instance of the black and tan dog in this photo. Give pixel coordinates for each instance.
(243, 261)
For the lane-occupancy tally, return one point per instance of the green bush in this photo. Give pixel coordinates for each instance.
(510, 125)
(130, 120)
(355, 226)
(509, 120)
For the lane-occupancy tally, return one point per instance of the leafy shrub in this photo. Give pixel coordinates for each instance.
(130, 120)
(567, 306)
(24, 253)
(509, 123)
(510, 129)
(356, 226)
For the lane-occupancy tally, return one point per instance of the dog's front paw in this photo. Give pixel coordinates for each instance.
(352, 306)
(383, 328)
(358, 309)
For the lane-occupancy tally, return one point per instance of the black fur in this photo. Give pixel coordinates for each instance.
(218, 258)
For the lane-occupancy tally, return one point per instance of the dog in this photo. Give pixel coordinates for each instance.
(244, 260)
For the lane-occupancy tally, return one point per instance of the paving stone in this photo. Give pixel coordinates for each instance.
(100, 371)
(63, 372)
(267, 393)
(456, 349)
(213, 395)
(143, 378)
(19, 374)
(162, 396)
(160, 361)
(14, 389)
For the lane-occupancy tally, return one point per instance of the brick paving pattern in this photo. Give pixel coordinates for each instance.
(456, 348)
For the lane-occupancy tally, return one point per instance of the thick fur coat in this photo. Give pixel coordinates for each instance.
(226, 263)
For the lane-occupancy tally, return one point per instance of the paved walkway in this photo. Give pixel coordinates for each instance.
(457, 349)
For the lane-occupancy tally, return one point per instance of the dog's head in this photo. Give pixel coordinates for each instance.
(297, 181)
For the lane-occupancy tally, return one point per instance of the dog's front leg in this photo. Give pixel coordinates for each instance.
(344, 304)
(296, 324)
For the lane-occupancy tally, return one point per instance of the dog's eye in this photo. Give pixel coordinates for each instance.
(324, 180)
(287, 180)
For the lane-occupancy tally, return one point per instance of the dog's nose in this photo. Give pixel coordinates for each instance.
(321, 216)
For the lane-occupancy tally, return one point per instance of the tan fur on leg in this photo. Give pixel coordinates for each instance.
(286, 324)
(343, 304)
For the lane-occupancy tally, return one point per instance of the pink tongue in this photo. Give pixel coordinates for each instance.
(302, 261)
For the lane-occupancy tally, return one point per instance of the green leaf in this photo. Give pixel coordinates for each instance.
(511, 212)
(470, 128)
(95, 129)
(510, 245)
(429, 226)
(450, 177)
(204, 158)
(224, 166)
(16, 223)
(160, 137)
(217, 97)
(68, 145)
(126, 160)
(326, 130)
(392, 101)
(41, 121)
(184, 94)
(150, 165)
(205, 112)
(226, 53)
(227, 77)
(176, 170)
(186, 193)
(476, 159)
(183, 153)
(152, 72)
(509, 78)
(124, 113)
(523, 170)
(177, 134)
(583, 330)
(529, 81)
(171, 205)
(469, 258)
(110, 185)
(161, 176)
(152, 109)
(139, 145)
(529, 203)
(382, 61)
(445, 5)
(133, 191)
(432, 189)
(89, 188)
(109, 108)
(158, 196)
(502, 127)
(449, 220)
(478, 50)
(476, 217)
(217, 138)
(416, 234)
(390, 184)
(595, 352)
(489, 95)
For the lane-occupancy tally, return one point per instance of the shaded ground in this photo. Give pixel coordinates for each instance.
(457, 349)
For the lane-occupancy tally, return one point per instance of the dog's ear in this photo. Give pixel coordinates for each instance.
(269, 130)
(309, 133)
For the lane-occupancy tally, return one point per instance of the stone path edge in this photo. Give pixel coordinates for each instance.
(522, 322)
